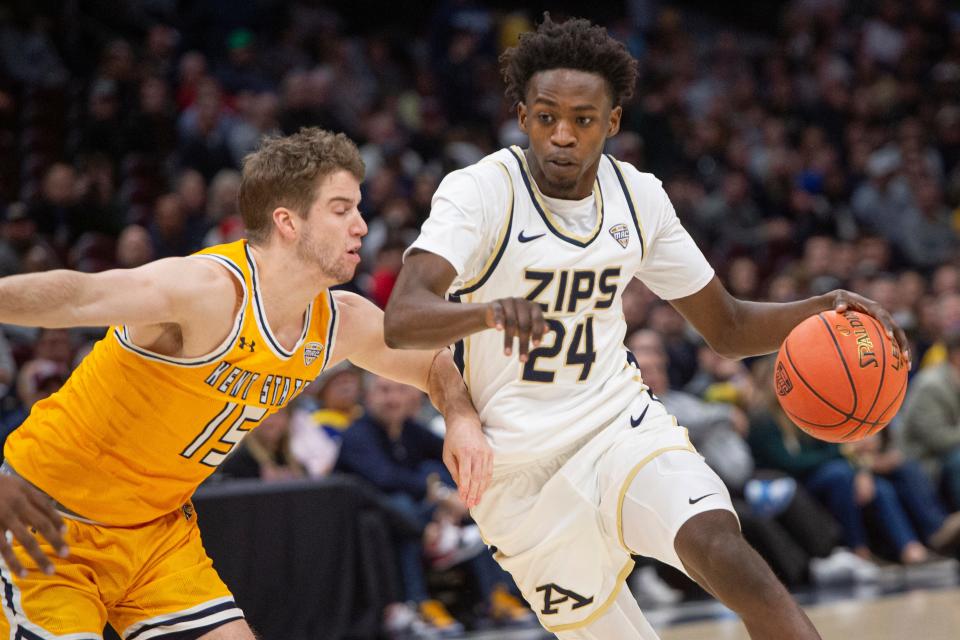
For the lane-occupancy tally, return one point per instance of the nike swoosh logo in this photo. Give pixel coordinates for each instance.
(635, 422)
(696, 500)
(523, 238)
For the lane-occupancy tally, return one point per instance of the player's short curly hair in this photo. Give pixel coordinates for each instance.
(572, 44)
(283, 172)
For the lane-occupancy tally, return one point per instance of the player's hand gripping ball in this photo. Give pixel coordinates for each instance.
(839, 377)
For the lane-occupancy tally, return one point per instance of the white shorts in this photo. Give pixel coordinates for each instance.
(556, 523)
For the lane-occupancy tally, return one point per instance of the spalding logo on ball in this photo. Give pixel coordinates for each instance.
(839, 377)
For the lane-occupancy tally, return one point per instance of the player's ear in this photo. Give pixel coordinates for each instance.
(613, 126)
(285, 221)
(522, 117)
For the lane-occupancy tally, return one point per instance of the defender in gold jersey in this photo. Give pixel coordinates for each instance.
(199, 351)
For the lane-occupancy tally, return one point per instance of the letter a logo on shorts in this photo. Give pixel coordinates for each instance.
(549, 602)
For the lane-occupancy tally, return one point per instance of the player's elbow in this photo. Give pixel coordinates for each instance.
(726, 347)
(396, 327)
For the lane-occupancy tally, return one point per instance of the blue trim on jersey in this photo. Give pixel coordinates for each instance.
(328, 347)
(197, 616)
(543, 214)
(262, 314)
(8, 592)
(459, 347)
(626, 194)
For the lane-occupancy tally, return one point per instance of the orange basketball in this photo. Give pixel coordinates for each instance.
(839, 377)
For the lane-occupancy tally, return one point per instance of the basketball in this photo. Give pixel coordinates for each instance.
(839, 377)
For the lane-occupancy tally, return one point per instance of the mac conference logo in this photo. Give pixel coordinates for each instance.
(621, 234)
(311, 351)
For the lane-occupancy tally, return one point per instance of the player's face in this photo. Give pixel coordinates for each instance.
(331, 237)
(568, 115)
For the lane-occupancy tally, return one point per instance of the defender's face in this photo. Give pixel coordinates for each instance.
(568, 115)
(331, 237)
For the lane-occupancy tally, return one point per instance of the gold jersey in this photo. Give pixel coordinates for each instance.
(132, 433)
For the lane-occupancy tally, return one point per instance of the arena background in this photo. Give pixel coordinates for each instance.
(806, 145)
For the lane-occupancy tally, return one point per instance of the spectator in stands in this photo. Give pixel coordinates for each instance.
(317, 427)
(946, 322)
(204, 131)
(37, 380)
(265, 452)
(169, 232)
(404, 459)
(57, 213)
(17, 235)
(931, 419)
(134, 247)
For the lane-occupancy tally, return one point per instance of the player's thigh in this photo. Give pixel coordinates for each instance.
(67, 602)
(236, 630)
(657, 496)
(179, 591)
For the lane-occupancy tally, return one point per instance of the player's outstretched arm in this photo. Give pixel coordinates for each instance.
(419, 317)
(739, 328)
(360, 339)
(164, 291)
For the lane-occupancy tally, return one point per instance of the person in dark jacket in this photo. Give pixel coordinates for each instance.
(404, 459)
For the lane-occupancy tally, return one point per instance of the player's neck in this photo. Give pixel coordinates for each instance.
(287, 286)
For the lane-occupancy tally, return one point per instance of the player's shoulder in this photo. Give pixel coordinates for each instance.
(641, 183)
(489, 172)
(485, 186)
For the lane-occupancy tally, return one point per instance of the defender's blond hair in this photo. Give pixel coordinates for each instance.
(285, 171)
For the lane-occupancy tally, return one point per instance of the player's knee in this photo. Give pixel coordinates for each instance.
(236, 630)
(709, 538)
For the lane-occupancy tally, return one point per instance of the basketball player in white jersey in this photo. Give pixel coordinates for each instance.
(589, 468)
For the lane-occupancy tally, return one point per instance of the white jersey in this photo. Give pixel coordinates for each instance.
(506, 239)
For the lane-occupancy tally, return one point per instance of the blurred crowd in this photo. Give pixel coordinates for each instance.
(822, 153)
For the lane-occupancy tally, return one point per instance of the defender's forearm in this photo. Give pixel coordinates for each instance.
(46, 299)
(446, 387)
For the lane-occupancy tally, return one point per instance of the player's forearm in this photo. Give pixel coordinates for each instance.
(46, 299)
(761, 327)
(424, 320)
(446, 387)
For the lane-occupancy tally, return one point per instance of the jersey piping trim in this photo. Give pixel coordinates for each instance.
(331, 330)
(629, 480)
(499, 247)
(261, 316)
(628, 194)
(123, 336)
(551, 219)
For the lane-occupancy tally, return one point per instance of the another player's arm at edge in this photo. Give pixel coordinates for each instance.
(739, 328)
(418, 315)
(166, 291)
(360, 339)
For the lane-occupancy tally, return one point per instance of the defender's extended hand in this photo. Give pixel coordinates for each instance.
(517, 318)
(23, 508)
(469, 458)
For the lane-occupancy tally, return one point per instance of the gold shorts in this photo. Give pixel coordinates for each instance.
(149, 581)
